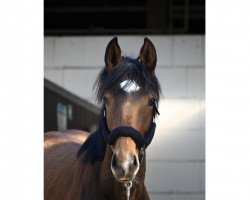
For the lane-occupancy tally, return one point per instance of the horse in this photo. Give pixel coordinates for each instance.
(110, 163)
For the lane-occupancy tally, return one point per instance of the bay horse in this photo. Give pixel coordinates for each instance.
(110, 163)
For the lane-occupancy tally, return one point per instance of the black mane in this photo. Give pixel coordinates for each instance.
(94, 146)
(128, 68)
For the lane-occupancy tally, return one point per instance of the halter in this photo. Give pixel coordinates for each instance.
(142, 142)
(127, 131)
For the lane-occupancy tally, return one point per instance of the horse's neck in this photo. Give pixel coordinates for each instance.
(116, 190)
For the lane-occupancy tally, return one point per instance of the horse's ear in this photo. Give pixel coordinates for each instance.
(112, 54)
(148, 55)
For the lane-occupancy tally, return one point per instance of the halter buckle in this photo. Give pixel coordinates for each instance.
(141, 153)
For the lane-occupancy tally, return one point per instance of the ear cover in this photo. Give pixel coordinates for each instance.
(112, 54)
(148, 55)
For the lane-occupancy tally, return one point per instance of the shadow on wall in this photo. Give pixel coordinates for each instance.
(180, 133)
(176, 157)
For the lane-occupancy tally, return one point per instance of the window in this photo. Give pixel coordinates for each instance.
(78, 17)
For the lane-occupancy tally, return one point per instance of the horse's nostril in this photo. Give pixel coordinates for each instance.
(114, 160)
(135, 161)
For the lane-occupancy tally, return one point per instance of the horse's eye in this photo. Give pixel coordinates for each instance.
(151, 103)
(104, 100)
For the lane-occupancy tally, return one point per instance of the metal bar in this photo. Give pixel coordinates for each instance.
(193, 8)
(105, 31)
(186, 15)
(171, 17)
(96, 9)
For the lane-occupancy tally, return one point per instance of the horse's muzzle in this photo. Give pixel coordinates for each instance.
(124, 170)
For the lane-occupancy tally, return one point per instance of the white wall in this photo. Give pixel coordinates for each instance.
(176, 157)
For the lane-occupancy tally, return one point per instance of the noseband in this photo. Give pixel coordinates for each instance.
(127, 131)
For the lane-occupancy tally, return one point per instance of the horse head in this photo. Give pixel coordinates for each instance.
(129, 92)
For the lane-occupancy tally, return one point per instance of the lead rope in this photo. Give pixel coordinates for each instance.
(128, 186)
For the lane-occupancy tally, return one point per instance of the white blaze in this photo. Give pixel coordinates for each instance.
(129, 86)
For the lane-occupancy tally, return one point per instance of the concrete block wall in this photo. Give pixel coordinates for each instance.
(176, 157)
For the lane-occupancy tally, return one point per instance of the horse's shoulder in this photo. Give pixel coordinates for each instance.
(59, 137)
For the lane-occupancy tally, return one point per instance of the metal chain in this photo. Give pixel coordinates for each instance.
(128, 186)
